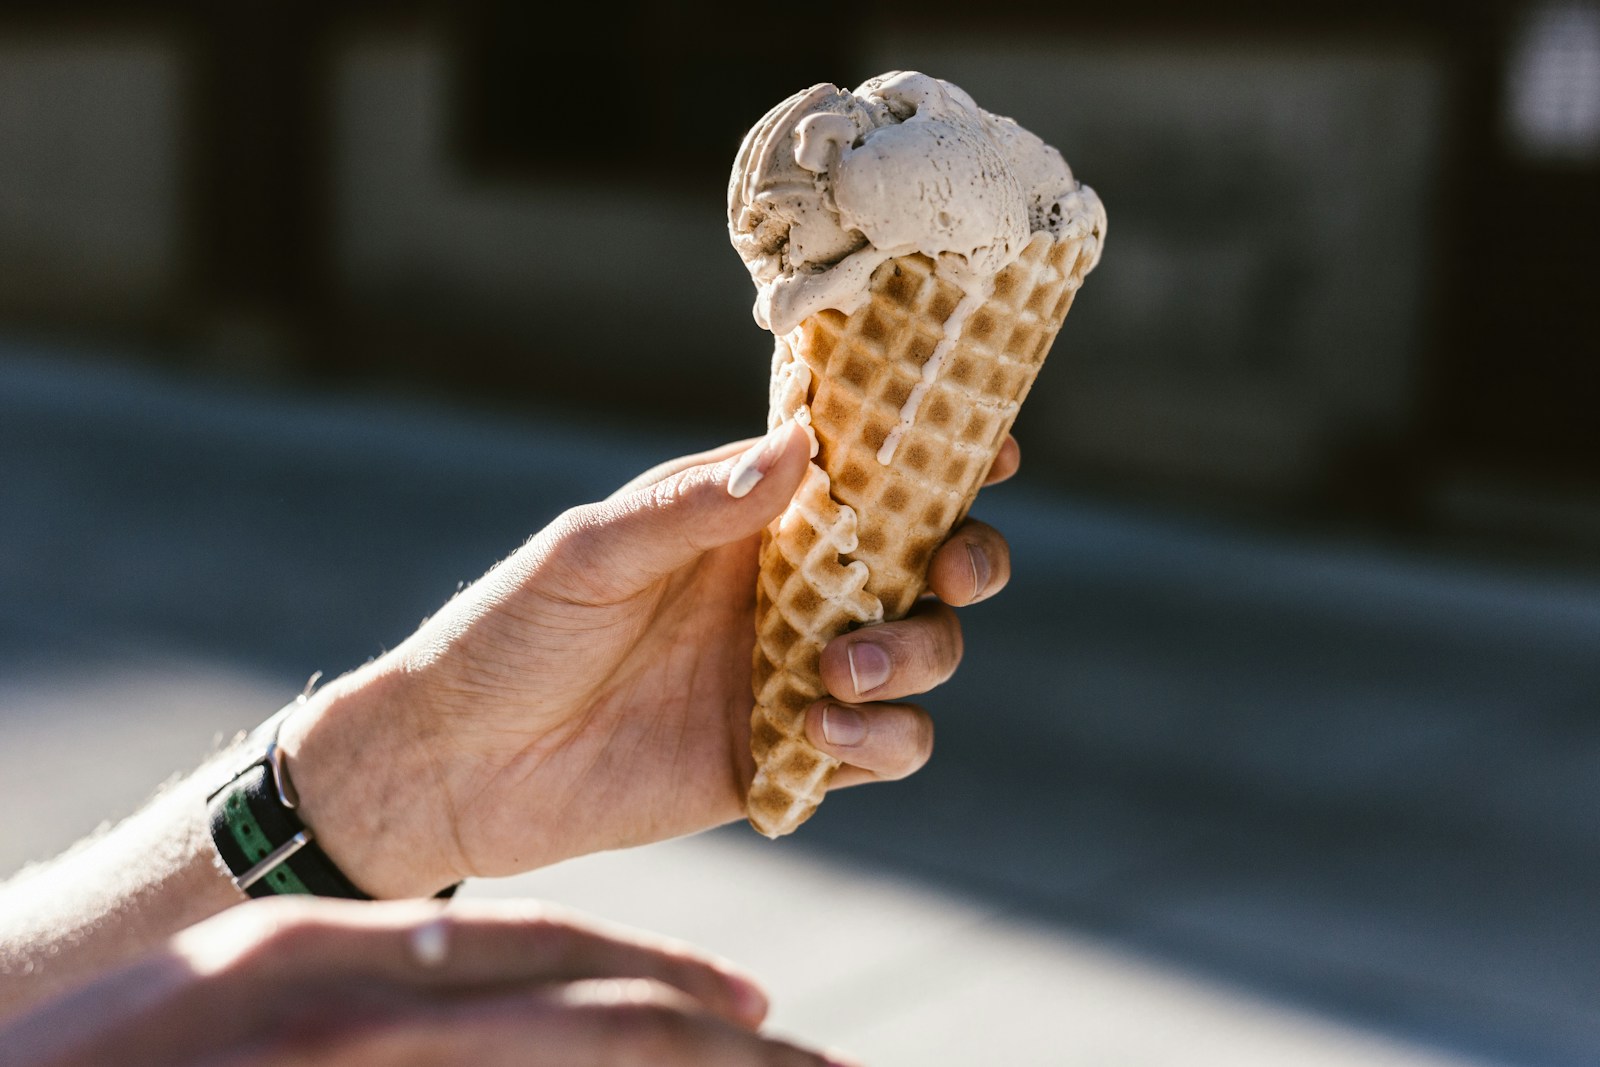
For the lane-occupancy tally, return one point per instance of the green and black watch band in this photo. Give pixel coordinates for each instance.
(267, 849)
(265, 846)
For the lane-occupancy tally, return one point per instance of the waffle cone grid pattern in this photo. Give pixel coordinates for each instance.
(854, 545)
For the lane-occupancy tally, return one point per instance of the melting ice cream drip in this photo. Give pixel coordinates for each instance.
(972, 299)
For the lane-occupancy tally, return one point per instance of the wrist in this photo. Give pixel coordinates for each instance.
(366, 785)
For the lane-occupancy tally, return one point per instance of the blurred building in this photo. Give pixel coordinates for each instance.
(1347, 277)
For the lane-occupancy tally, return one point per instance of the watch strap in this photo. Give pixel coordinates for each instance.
(266, 847)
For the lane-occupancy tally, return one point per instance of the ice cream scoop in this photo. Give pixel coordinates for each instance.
(832, 183)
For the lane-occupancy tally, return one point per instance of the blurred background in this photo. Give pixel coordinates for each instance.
(1284, 747)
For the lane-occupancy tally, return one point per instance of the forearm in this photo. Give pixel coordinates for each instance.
(116, 895)
(111, 897)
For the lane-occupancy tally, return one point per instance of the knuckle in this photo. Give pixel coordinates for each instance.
(570, 534)
(557, 551)
(569, 553)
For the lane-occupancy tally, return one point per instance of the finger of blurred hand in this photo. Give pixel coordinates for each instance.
(889, 660)
(484, 944)
(593, 1023)
(645, 1022)
(878, 742)
(1006, 461)
(972, 565)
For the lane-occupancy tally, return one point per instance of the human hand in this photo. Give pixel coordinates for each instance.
(315, 982)
(592, 691)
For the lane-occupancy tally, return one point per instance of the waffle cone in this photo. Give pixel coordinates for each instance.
(909, 399)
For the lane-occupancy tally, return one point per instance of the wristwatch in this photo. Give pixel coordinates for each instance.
(256, 830)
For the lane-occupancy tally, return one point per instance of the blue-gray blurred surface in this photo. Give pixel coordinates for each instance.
(1353, 780)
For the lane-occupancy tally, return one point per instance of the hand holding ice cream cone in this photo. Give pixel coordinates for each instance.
(914, 257)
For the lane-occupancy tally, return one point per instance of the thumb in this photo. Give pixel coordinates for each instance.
(624, 544)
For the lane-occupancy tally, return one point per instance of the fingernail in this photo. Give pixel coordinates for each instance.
(757, 460)
(869, 667)
(842, 726)
(833, 1058)
(978, 559)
